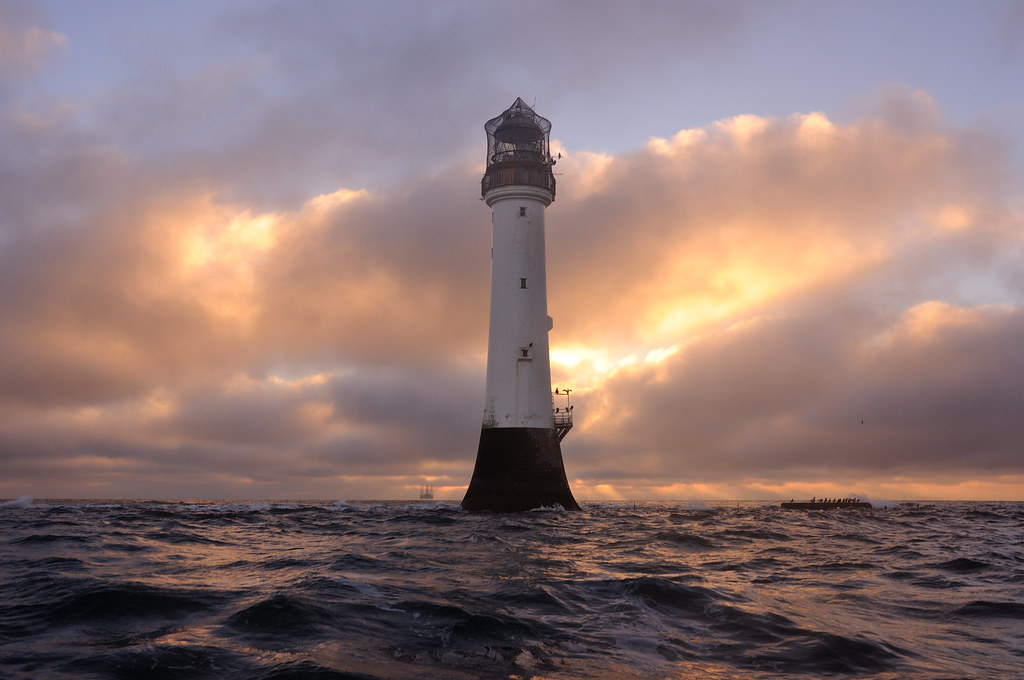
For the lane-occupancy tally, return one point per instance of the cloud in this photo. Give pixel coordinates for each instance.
(194, 306)
(24, 45)
(154, 331)
(749, 210)
(829, 392)
(795, 278)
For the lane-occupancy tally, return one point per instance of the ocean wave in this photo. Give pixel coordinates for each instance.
(989, 609)
(829, 654)
(157, 662)
(281, 615)
(103, 603)
(962, 565)
(684, 540)
(251, 590)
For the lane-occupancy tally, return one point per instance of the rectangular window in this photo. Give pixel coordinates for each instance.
(522, 283)
(522, 212)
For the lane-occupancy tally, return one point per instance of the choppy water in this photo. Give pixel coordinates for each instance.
(133, 589)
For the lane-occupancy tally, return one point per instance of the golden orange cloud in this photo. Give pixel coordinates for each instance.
(730, 304)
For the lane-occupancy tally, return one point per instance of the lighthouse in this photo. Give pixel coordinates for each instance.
(519, 459)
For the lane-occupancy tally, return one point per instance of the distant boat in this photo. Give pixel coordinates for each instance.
(427, 492)
(825, 504)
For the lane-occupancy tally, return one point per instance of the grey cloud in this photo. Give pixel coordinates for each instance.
(814, 394)
(25, 41)
(384, 296)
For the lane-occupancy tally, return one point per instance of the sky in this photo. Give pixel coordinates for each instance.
(243, 252)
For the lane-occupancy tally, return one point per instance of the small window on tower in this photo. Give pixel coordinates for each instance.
(522, 212)
(526, 353)
(522, 283)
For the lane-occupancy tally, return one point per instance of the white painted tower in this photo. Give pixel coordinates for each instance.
(519, 460)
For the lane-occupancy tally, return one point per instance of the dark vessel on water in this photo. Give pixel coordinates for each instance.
(825, 504)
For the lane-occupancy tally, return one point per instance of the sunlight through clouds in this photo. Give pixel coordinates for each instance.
(589, 171)
(220, 253)
(815, 129)
(742, 129)
(928, 320)
(681, 141)
(952, 217)
(222, 272)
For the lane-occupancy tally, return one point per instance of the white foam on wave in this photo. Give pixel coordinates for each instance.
(361, 586)
(877, 503)
(360, 506)
(433, 505)
(23, 502)
(251, 506)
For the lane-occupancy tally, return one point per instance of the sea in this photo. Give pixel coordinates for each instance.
(369, 589)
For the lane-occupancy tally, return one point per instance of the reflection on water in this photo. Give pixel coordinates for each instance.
(720, 590)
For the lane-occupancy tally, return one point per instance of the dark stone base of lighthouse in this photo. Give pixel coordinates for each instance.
(518, 469)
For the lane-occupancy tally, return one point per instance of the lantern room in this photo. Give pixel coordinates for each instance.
(518, 143)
